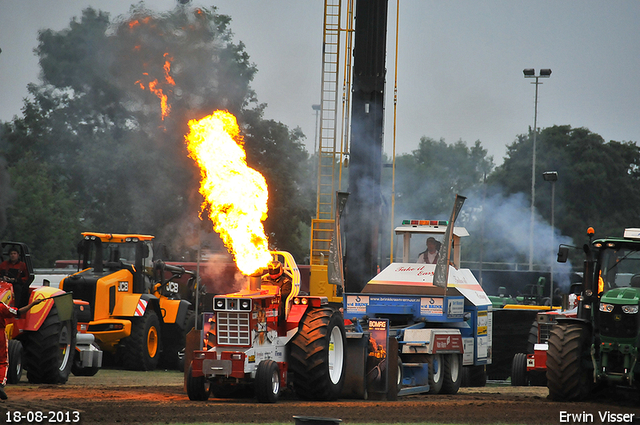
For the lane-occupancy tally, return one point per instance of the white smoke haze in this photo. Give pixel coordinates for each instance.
(221, 276)
(506, 222)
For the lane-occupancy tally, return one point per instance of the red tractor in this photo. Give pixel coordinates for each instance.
(44, 339)
(531, 368)
(256, 348)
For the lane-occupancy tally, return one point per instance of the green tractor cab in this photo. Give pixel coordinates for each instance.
(600, 346)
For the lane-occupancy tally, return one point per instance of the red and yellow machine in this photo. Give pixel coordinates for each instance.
(43, 340)
(251, 349)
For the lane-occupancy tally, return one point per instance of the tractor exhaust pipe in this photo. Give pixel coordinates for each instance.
(255, 281)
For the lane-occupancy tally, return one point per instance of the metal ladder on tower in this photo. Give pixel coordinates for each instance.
(322, 225)
(330, 154)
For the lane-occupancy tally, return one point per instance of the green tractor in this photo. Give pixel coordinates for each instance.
(600, 346)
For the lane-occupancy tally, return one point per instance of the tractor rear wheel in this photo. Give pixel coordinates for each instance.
(141, 350)
(436, 373)
(519, 370)
(267, 384)
(49, 351)
(568, 375)
(197, 387)
(317, 355)
(14, 373)
(452, 374)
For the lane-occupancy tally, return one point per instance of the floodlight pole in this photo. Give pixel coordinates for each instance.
(530, 73)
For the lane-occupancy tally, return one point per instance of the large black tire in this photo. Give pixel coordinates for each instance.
(174, 343)
(197, 387)
(189, 324)
(452, 373)
(49, 351)
(267, 384)
(318, 355)
(14, 372)
(519, 370)
(568, 376)
(141, 350)
(436, 373)
(474, 376)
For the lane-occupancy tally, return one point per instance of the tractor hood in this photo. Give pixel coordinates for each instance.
(625, 296)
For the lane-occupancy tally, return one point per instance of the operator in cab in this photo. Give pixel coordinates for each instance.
(15, 272)
(278, 278)
(430, 256)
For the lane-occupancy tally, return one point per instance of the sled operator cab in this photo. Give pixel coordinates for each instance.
(442, 330)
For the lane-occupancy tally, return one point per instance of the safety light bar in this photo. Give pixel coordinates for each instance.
(425, 222)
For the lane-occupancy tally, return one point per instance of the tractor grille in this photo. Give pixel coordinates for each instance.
(233, 328)
(618, 324)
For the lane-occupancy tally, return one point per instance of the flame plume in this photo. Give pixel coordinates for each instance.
(154, 86)
(235, 195)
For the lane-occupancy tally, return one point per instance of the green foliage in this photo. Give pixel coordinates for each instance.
(41, 213)
(428, 179)
(97, 131)
(598, 181)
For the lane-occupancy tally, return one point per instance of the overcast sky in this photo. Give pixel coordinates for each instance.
(459, 72)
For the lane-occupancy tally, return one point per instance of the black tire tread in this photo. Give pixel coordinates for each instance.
(197, 388)
(41, 351)
(263, 383)
(309, 353)
(435, 386)
(567, 379)
(519, 370)
(134, 349)
(449, 384)
(15, 352)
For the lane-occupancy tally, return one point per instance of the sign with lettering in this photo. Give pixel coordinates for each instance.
(377, 370)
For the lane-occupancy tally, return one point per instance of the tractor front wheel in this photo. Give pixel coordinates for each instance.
(141, 350)
(14, 373)
(568, 376)
(197, 387)
(49, 351)
(267, 385)
(317, 355)
(519, 370)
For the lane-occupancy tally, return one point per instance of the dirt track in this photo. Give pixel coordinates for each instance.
(114, 396)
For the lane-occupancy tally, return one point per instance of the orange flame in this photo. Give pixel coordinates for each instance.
(235, 194)
(155, 89)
